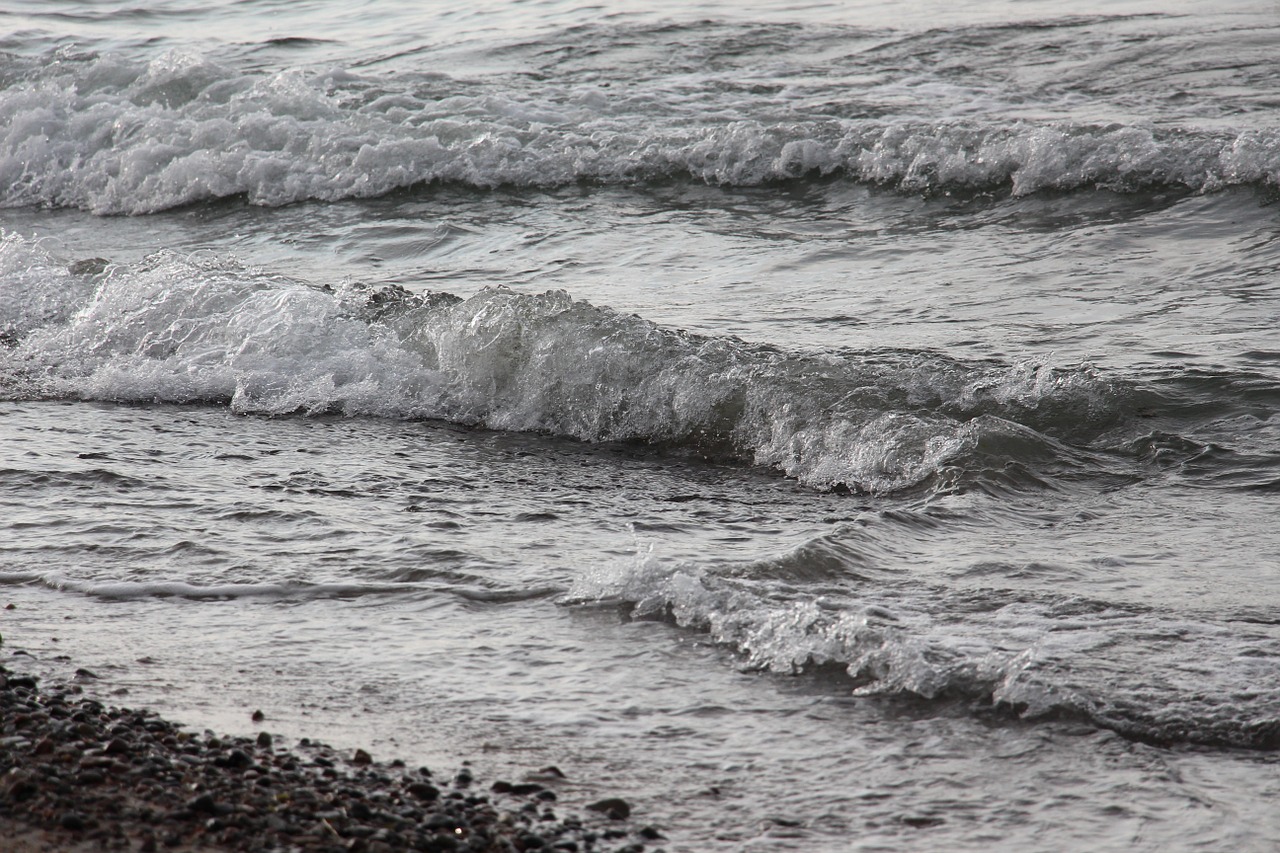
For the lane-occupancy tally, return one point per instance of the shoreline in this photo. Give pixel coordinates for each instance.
(77, 774)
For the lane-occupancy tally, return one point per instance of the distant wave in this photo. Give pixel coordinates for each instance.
(114, 136)
(183, 330)
(1150, 676)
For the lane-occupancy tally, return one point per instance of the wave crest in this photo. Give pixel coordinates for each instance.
(113, 136)
(1149, 676)
(187, 329)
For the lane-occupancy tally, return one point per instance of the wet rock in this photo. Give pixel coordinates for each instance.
(236, 759)
(203, 803)
(423, 791)
(525, 789)
(614, 808)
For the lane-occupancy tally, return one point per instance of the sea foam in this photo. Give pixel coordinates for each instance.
(200, 329)
(115, 136)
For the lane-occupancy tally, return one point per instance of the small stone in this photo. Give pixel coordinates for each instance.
(118, 746)
(238, 759)
(203, 803)
(264, 740)
(258, 716)
(613, 808)
(423, 791)
(524, 789)
(74, 821)
(651, 833)
(362, 757)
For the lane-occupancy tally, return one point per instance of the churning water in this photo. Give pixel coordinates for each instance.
(831, 427)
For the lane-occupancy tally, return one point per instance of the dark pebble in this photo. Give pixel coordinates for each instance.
(423, 791)
(203, 803)
(524, 789)
(238, 759)
(122, 779)
(612, 807)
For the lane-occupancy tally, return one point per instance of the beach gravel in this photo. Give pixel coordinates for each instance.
(78, 775)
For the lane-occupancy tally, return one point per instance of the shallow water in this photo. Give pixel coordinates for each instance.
(828, 427)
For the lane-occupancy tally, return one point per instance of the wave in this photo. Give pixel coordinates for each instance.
(1150, 676)
(190, 329)
(117, 136)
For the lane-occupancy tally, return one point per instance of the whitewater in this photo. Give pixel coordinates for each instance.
(834, 426)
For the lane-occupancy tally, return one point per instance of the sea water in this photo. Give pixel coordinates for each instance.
(828, 426)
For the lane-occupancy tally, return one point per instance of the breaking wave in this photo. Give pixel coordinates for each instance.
(1149, 675)
(117, 136)
(188, 329)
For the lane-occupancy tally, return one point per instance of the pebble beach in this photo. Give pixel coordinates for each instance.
(80, 775)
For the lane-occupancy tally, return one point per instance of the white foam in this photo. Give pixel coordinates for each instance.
(1150, 675)
(188, 329)
(112, 136)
